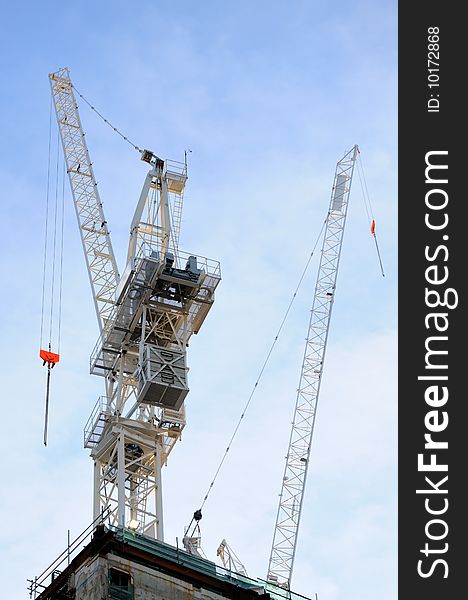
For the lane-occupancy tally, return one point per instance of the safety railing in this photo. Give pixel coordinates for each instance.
(39, 583)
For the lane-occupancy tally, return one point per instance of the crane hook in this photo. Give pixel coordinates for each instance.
(50, 359)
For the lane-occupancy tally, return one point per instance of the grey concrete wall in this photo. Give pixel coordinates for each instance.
(91, 582)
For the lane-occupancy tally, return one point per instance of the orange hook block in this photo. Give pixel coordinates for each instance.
(50, 358)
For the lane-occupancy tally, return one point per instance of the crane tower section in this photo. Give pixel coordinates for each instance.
(290, 504)
(146, 318)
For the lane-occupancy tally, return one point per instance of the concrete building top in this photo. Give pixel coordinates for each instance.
(119, 564)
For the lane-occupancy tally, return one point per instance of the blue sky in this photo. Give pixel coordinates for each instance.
(268, 96)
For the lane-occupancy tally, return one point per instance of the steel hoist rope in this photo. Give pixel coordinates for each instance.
(46, 228)
(53, 255)
(368, 207)
(198, 514)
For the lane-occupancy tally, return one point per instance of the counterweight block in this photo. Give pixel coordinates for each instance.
(162, 378)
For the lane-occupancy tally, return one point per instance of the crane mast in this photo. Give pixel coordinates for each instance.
(146, 318)
(292, 493)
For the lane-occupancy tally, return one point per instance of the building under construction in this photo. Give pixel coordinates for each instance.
(118, 564)
(146, 317)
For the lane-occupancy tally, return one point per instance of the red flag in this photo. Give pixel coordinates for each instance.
(372, 227)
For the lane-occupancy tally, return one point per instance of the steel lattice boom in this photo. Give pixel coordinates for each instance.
(100, 260)
(297, 459)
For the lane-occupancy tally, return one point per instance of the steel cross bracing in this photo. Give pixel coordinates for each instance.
(290, 504)
(230, 560)
(146, 319)
(100, 260)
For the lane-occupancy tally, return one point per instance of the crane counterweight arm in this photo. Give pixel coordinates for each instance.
(99, 255)
(289, 511)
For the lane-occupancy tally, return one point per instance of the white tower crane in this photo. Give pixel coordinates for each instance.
(146, 318)
(292, 493)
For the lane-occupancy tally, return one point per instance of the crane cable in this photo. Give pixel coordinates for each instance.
(54, 313)
(93, 108)
(197, 515)
(59, 327)
(46, 226)
(54, 243)
(368, 207)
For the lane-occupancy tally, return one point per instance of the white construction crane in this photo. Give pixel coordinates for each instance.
(297, 460)
(146, 318)
(230, 560)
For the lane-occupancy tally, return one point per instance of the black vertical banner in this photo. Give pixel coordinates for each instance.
(433, 353)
